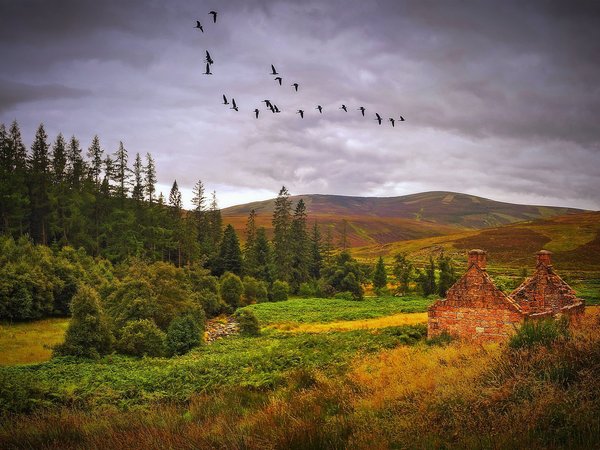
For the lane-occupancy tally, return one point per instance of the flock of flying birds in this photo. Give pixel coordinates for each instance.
(269, 104)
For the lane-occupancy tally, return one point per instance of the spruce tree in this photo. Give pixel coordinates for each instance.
(426, 279)
(176, 207)
(316, 257)
(121, 173)
(249, 246)
(137, 193)
(230, 255)
(281, 235)
(263, 270)
(299, 248)
(379, 276)
(94, 154)
(447, 275)
(59, 193)
(75, 164)
(150, 178)
(39, 183)
(15, 194)
(403, 271)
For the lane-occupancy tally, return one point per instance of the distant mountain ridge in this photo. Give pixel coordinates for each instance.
(380, 220)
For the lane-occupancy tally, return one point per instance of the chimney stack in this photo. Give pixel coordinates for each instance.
(478, 257)
(544, 257)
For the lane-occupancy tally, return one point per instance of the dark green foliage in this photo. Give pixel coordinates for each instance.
(89, 333)
(263, 269)
(141, 338)
(299, 248)
(315, 263)
(344, 275)
(184, 333)
(379, 276)
(230, 254)
(307, 290)
(282, 255)
(255, 291)
(280, 291)
(448, 275)
(540, 332)
(247, 322)
(231, 289)
(440, 340)
(403, 271)
(426, 279)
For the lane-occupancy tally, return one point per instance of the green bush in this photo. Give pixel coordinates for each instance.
(141, 337)
(344, 296)
(255, 290)
(307, 290)
(280, 291)
(232, 289)
(540, 332)
(184, 333)
(211, 303)
(89, 333)
(248, 322)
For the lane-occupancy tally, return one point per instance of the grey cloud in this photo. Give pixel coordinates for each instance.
(13, 93)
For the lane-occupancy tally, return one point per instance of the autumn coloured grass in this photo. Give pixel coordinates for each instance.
(30, 342)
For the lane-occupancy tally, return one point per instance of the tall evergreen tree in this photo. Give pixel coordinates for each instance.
(299, 247)
(59, 193)
(379, 276)
(75, 164)
(403, 271)
(281, 234)
(200, 214)
(39, 182)
(137, 193)
(316, 257)
(447, 274)
(426, 279)
(263, 270)
(59, 159)
(249, 246)
(121, 173)
(150, 178)
(94, 154)
(14, 192)
(214, 233)
(176, 206)
(230, 254)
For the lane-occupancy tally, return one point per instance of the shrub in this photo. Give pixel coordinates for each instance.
(88, 334)
(540, 332)
(307, 290)
(254, 290)
(248, 322)
(344, 296)
(232, 289)
(211, 303)
(141, 337)
(280, 291)
(184, 333)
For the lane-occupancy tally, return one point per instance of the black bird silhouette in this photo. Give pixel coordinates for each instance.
(276, 109)
(378, 118)
(233, 105)
(208, 72)
(256, 111)
(320, 108)
(295, 86)
(301, 112)
(273, 71)
(393, 121)
(268, 103)
(272, 109)
(402, 119)
(214, 14)
(199, 26)
(362, 110)
(209, 60)
(344, 108)
(278, 79)
(225, 102)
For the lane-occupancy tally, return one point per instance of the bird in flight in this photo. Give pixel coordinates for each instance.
(301, 112)
(209, 60)
(320, 108)
(344, 108)
(276, 109)
(199, 26)
(208, 72)
(214, 14)
(362, 110)
(273, 71)
(392, 121)
(256, 111)
(268, 103)
(278, 79)
(295, 86)
(378, 118)
(234, 106)
(402, 119)
(225, 102)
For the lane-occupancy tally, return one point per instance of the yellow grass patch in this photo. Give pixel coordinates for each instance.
(348, 325)
(31, 342)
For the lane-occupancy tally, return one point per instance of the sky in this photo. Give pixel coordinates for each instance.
(501, 98)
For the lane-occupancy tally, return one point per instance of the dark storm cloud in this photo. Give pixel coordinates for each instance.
(502, 99)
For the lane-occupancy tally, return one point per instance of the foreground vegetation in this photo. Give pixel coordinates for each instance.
(543, 395)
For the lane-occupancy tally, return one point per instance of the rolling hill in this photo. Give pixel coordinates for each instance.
(383, 220)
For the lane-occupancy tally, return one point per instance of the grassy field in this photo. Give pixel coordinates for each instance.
(25, 343)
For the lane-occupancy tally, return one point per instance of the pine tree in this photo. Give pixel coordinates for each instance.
(60, 191)
(403, 271)
(316, 258)
(95, 153)
(214, 233)
(59, 159)
(249, 246)
(230, 255)
(121, 173)
(75, 164)
(39, 182)
(176, 207)
(137, 193)
(447, 275)
(150, 180)
(281, 234)
(200, 214)
(299, 248)
(426, 279)
(15, 193)
(263, 269)
(379, 276)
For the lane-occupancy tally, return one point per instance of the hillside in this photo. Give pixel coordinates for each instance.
(574, 239)
(383, 220)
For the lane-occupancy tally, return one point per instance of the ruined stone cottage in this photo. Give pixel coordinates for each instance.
(475, 309)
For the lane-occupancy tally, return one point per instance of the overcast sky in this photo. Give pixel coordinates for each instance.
(501, 98)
